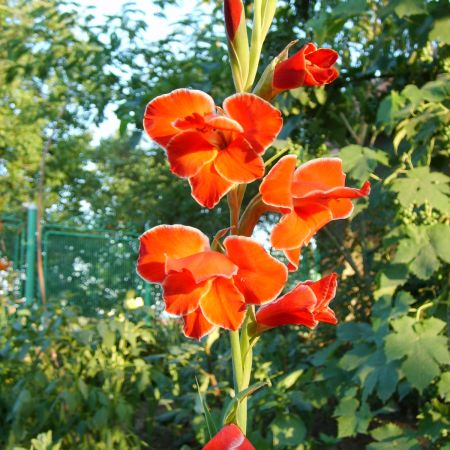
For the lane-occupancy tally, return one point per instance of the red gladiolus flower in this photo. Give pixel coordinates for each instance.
(310, 66)
(213, 148)
(205, 287)
(230, 437)
(308, 197)
(307, 304)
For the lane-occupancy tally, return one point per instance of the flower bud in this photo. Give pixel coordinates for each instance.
(237, 38)
(310, 66)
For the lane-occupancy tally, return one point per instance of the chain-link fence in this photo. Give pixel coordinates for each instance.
(93, 269)
(12, 239)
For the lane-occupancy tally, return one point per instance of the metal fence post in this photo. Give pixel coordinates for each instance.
(147, 294)
(31, 253)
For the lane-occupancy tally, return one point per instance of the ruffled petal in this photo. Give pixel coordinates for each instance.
(324, 289)
(230, 437)
(224, 305)
(203, 266)
(173, 241)
(260, 277)
(196, 325)
(323, 57)
(182, 294)
(238, 163)
(275, 189)
(260, 120)
(320, 76)
(208, 187)
(163, 111)
(294, 308)
(335, 193)
(326, 315)
(188, 152)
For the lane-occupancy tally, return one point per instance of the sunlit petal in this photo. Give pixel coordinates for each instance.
(173, 241)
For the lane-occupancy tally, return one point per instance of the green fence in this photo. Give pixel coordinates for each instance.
(93, 269)
(12, 240)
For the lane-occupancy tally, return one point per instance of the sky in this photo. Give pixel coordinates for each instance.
(158, 27)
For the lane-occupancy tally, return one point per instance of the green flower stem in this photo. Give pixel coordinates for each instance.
(247, 362)
(236, 355)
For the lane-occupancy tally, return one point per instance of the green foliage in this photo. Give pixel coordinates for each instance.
(422, 346)
(382, 380)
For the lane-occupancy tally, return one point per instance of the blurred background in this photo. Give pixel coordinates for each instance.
(87, 361)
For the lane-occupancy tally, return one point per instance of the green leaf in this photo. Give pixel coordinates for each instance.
(441, 30)
(360, 161)
(406, 8)
(421, 346)
(288, 431)
(421, 186)
(439, 237)
(230, 412)
(212, 429)
(423, 248)
(444, 386)
(351, 420)
(390, 277)
(391, 436)
(289, 380)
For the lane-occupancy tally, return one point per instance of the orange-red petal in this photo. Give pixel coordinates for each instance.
(223, 123)
(188, 152)
(294, 308)
(260, 120)
(318, 174)
(324, 289)
(293, 257)
(230, 437)
(326, 315)
(163, 111)
(296, 228)
(203, 266)
(173, 241)
(196, 325)
(340, 208)
(260, 277)
(224, 305)
(238, 163)
(208, 187)
(323, 57)
(336, 193)
(275, 189)
(182, 294)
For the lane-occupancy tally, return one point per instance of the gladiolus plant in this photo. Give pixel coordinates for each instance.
(233, 282)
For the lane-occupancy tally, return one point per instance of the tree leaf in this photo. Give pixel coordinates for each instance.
(288, 431)
(421, 347)
(360, 161)
(420, 186)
